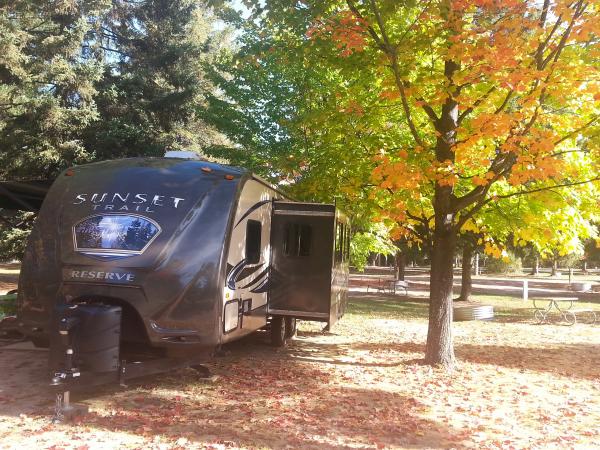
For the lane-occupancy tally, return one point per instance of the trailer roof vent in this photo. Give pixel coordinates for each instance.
(182, 154)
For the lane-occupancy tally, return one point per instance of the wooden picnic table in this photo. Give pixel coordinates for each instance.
(567, 311)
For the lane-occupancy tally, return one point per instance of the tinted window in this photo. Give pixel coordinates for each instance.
(121, 233)
(253, 232)
(297, 239)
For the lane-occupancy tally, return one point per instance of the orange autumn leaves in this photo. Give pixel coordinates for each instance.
(525, 83)
(347, 31)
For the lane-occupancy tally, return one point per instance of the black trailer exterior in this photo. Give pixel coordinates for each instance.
(187, 251)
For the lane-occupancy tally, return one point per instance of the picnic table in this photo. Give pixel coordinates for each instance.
(387, 285)
(563, 307)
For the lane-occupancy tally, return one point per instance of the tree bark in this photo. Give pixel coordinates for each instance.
(440, 348)
(400, 263)
(466, 286)
(554, 267)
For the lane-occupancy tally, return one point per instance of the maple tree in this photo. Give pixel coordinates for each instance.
(477, 101)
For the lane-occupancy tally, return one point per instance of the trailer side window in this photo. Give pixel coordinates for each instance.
(297, 239)
(253, 232)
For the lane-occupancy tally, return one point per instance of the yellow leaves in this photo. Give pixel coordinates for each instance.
(470, 225)
(492, 249)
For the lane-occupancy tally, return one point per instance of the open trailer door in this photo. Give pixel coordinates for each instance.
(302, 242)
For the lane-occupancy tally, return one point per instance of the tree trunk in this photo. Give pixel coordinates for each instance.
(372, 259)
(536, 266)
(440, 348)
(400, 264)
(466, 285)
(554, 267)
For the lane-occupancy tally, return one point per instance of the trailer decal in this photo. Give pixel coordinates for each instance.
(247, 271)
(231, 277)
(252, 209)
(259, 278)
(263, 287)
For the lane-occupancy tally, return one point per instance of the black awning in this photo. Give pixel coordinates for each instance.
(23, 195)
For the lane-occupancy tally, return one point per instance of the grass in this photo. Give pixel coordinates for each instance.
(506, 308)
(8, 305)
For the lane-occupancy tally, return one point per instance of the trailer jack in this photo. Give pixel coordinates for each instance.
(63, 409)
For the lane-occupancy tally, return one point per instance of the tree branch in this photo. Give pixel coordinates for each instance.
(481, 204)
(569, 135)
(383, 43)
(478, 102)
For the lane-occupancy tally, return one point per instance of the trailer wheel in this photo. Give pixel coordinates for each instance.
(291, 327)
(278, 331)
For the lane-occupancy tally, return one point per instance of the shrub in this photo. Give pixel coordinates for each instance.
(508, 264)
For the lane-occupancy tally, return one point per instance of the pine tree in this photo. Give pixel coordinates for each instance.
(153, 83)
(47, 84)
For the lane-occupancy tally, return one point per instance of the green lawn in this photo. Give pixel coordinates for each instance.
(506, 308)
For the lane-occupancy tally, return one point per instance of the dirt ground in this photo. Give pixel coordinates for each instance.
(9, 277)
(518, 385)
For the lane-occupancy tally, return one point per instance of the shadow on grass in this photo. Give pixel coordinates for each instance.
(578, 361)
(276, 404)
(380, 355)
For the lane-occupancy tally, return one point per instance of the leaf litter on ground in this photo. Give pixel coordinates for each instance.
(517, 385)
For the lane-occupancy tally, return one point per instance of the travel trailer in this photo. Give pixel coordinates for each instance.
(171, 258)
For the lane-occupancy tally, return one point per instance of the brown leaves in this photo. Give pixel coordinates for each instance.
(518, 386)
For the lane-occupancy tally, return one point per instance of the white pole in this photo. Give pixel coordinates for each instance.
(525, 289)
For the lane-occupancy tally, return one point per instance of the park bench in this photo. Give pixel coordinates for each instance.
(391, 286)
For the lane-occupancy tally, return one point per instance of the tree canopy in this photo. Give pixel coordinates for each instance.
(438, 109)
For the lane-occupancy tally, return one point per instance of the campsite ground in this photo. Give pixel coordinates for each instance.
(518, 385)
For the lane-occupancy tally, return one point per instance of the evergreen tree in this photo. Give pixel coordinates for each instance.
(47, 84)
(86, 80)
(153, 83)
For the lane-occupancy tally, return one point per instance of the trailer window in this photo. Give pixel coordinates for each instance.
(114, 234)
(297, 239)
(253, 232)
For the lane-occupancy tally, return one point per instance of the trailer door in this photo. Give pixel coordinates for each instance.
(301, 259)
